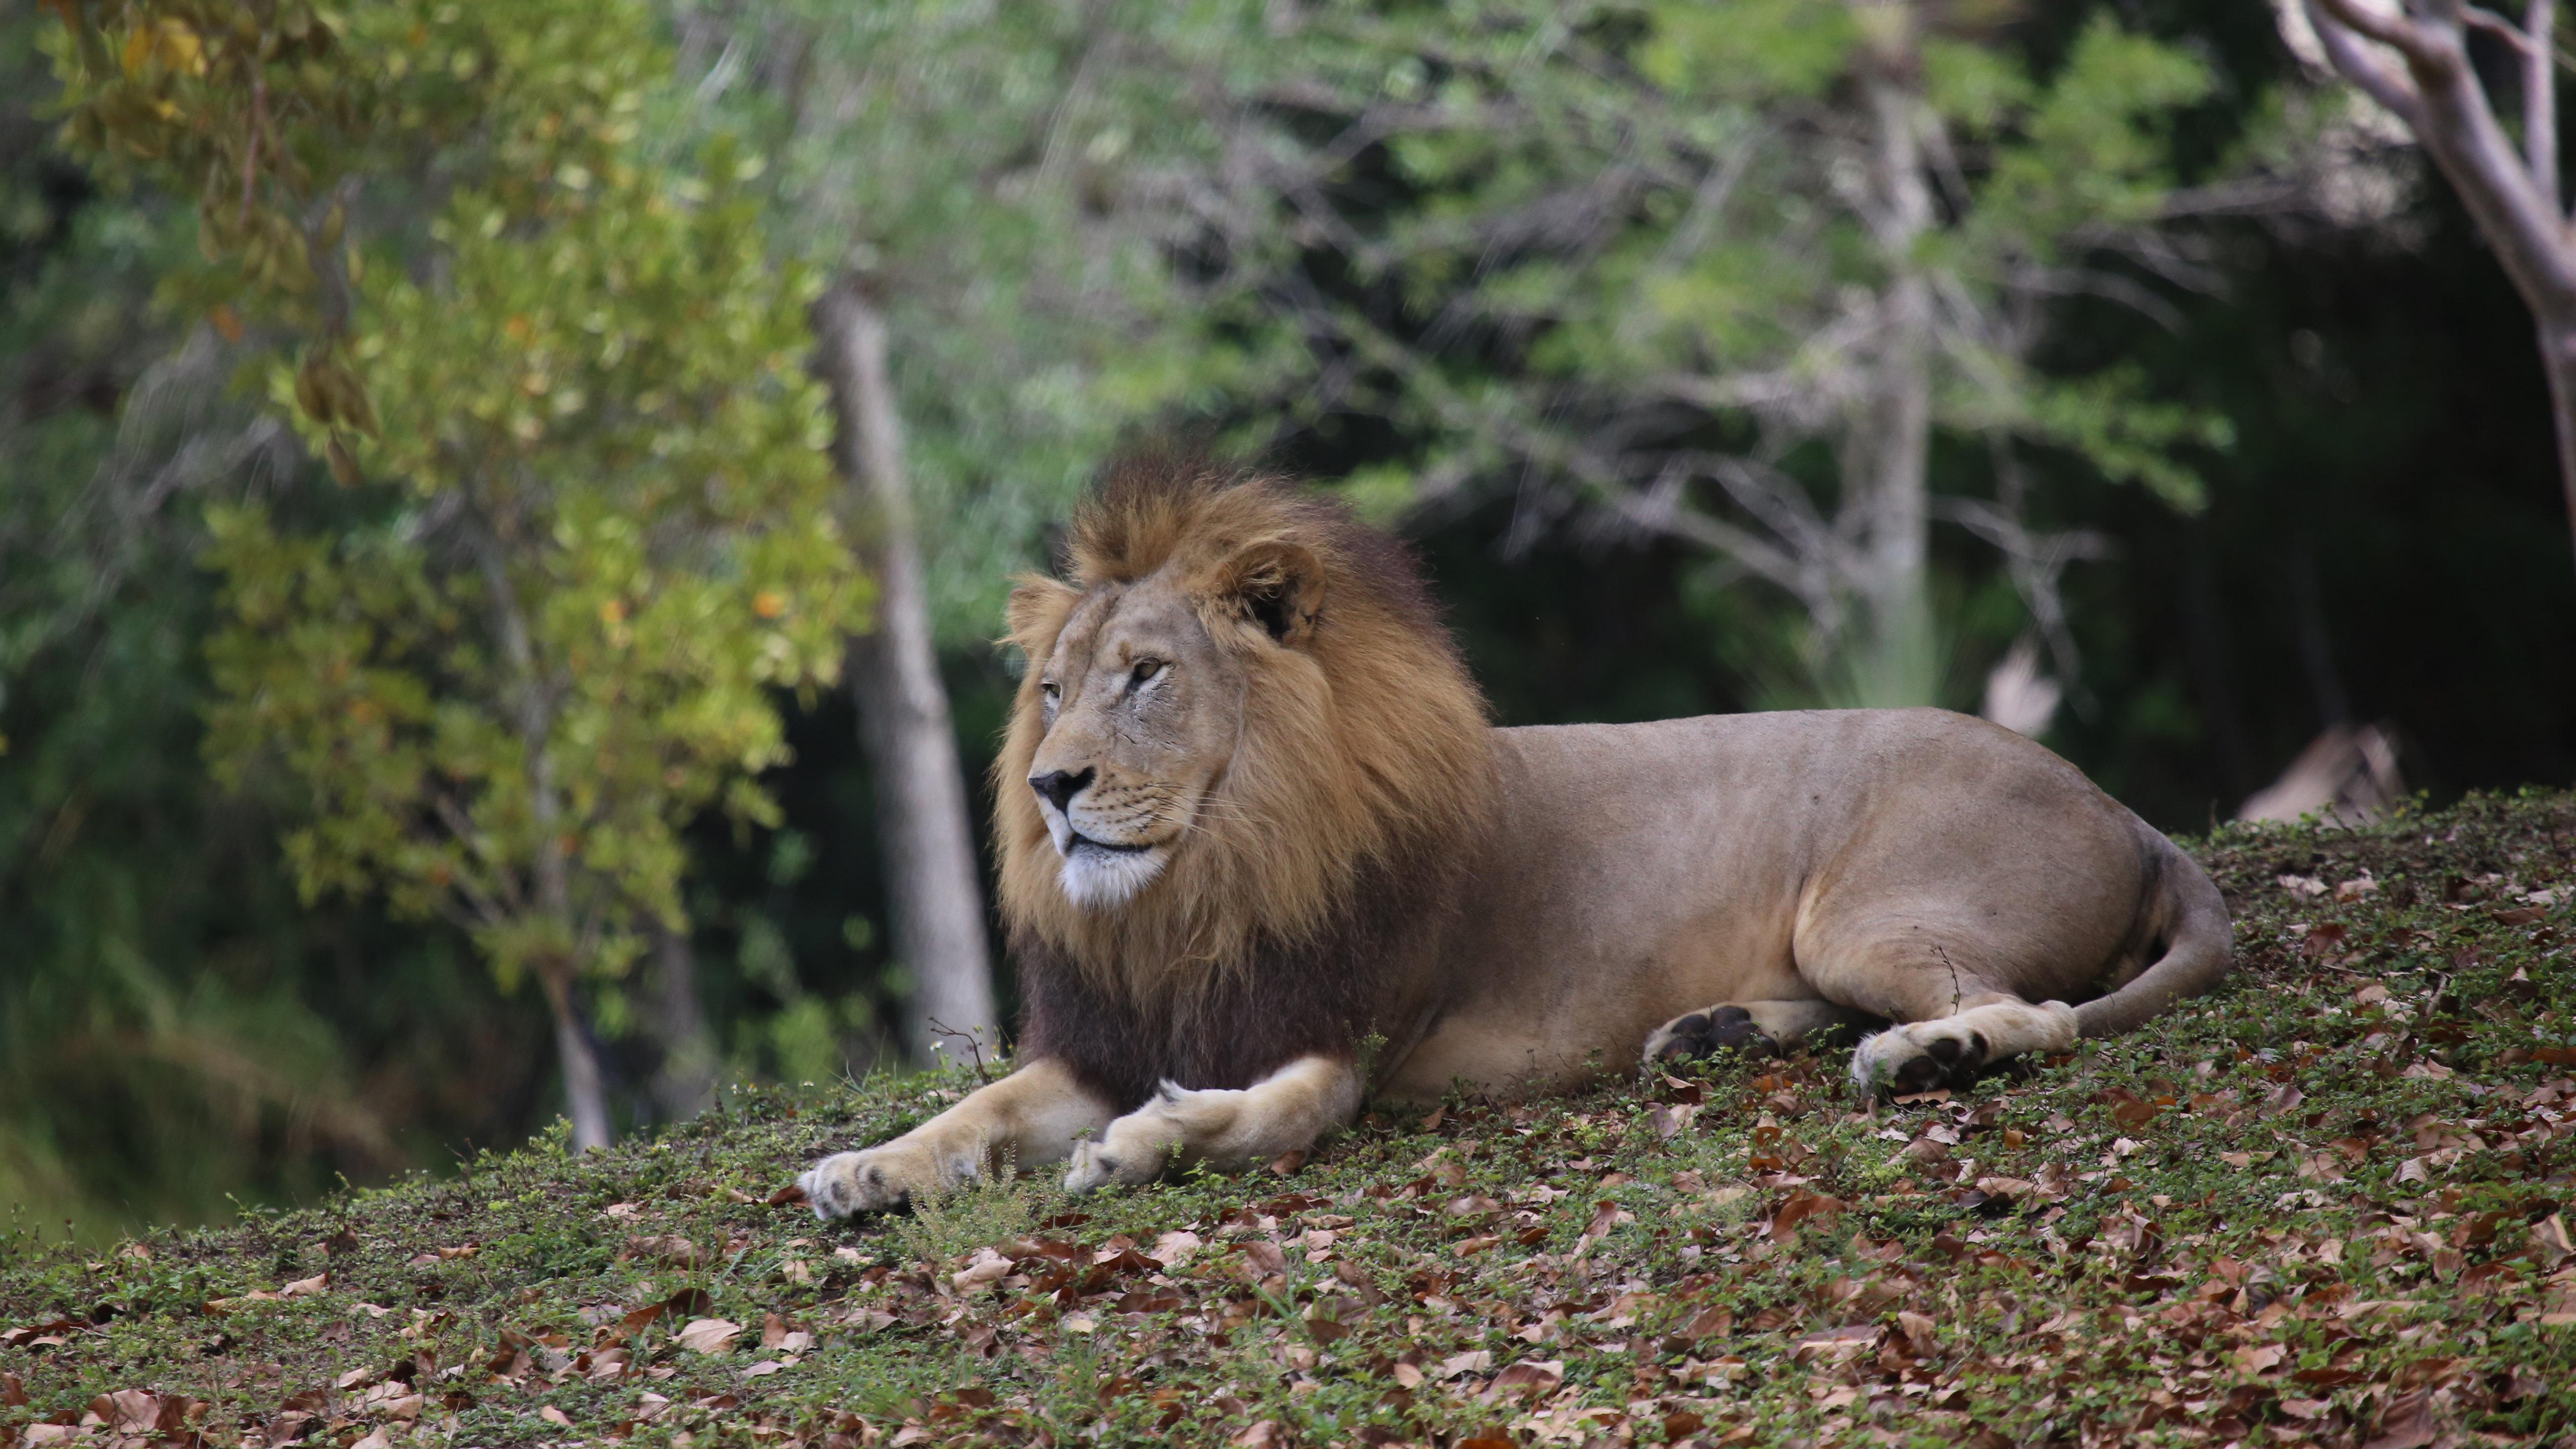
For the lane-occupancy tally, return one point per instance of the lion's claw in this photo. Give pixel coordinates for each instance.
(1096, 1165)
(847, 1183)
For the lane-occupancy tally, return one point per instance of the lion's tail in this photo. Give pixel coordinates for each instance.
(2192, 919)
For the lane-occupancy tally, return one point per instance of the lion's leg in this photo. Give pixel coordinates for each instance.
(1945, 978)
(1754, 1028)
(1225, 1128)
(1030, 1118)
(1916, 1056)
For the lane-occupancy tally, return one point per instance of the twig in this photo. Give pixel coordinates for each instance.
(974, 1047)
(258, 120)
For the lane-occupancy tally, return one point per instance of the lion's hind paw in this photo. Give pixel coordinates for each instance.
(1950, 1051)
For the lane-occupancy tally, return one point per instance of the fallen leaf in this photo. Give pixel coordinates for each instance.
(709, 1335)
(552, 1415)
(1174, 1249)
(669, 1249)
(1535, 1379)
(986, 1267)
(2260, 1358)
(1475, 1362)
(1917, 1329)
(306, 1287)
(764, 1369)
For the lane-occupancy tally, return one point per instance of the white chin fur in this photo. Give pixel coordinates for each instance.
(1097, 880)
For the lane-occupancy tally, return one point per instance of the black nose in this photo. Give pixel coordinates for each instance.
(1060, 786)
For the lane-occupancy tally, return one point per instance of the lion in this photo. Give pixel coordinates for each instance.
(1263, 855)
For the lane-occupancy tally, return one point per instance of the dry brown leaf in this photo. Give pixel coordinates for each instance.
(1475, 1362)
(709, 1335)
(1174, 1249)
(669, 1249)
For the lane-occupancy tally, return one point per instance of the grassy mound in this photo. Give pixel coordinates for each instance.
(2322, 1205)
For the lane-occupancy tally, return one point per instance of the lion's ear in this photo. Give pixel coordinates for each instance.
(1276, 584)
(1037, 611)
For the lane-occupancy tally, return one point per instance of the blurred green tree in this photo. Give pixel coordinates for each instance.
(1733, 273)
(604, 528)
(177, 1032)
(998, 192)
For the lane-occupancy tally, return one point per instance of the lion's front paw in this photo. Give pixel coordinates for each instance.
(1096, 1165)
(880, 1177)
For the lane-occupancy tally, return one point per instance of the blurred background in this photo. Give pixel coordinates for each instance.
(506, 508)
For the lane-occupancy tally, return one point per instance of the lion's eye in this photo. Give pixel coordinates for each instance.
(1047, 688)
(1145, 669)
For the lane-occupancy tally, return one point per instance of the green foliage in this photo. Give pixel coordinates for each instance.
(639, 522)
(276, 118)
(1661, 263)
(604, 530)
(1003, 177)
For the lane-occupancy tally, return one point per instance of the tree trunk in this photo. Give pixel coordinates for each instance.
(2558, 359)
(2515, 200)
(1896, 662)
(684, 1081)
(585, 1092)
(923, 826)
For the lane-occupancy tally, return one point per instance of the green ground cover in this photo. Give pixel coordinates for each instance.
(2327, 1204)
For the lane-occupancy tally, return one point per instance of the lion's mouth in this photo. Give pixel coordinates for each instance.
(1076, 840)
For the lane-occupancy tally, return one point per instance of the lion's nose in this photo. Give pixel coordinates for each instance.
(1060, 786)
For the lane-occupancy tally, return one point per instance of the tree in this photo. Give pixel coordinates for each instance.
(1736, 274)
(991, 188)
(2437, 89)
(603, 528)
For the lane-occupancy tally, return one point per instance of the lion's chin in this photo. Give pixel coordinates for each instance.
(1099, 878)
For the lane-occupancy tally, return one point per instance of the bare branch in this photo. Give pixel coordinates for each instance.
(2448, 109)
(2362, 20)
(2362, 67)
(2540, 102)
(2504, 30)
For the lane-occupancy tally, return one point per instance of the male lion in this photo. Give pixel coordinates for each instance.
(1262, 855)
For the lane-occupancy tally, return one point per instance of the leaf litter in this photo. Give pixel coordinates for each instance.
(2327, 1205)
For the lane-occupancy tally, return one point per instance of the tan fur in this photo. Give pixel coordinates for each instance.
(1247, 708)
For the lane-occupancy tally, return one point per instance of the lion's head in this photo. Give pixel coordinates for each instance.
(1241, 699)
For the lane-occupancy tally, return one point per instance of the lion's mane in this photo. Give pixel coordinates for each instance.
(1363, 762)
